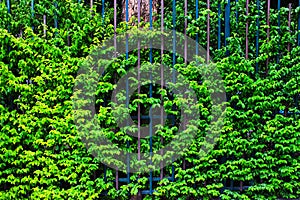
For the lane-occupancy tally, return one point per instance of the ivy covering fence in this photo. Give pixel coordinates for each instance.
(254, 44)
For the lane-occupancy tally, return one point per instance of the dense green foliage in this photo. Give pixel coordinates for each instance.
(42, 156)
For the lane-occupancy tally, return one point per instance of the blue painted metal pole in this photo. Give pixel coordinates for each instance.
(127, 13)
(161, 84)
(32, 12)
(103, 6)
(208, 32)
(278, 7)
(257, 33)
(185, 28)
(9, 11)
(299, 26)
(151, 14)
(151, 26)
(8, 25)
(219, 25)
(268, 30)
(289, 24)
(227, 24)
(247, 30)
(174, 36)
(8, 6)
(55, 17)
(236, 12)
(197, 34)
(296, 99)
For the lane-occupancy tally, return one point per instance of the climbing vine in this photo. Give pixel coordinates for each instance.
(42, 155)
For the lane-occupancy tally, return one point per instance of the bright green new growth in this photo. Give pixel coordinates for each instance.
(42, 156)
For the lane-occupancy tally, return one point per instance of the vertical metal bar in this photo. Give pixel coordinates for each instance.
(257, 33)
(185, 28)
(174, 29)
(150, 95)
(268, 19)
(219, 25)
(9, 11)
(127, 13)
(32, 12)
(55, 17)
(91, 4)
(103, 6)
(115, 25)
(174, 37)
(173, 71)
(231, 185)
(227, 23)
(8, 6)
(127, 90)
(299, 26)
(185, 60)
(278, 7)
(241, 186)
(247, 29)
(8, 25)
(45, 23)
(105, 177)
(173, 171)
(197, 34)
(115, 49)
(297, 96)
(151, 14)
(208, 31)
(139, 90)
(268, 29)
(161, 84)
(236, 12)
(289, 24)
(139, 11)
(105, 168)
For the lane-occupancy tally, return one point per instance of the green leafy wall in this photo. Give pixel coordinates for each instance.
(43, 157)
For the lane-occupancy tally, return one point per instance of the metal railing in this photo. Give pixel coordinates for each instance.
(223, 24)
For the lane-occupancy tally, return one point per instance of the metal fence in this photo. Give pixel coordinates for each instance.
(223, 28)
